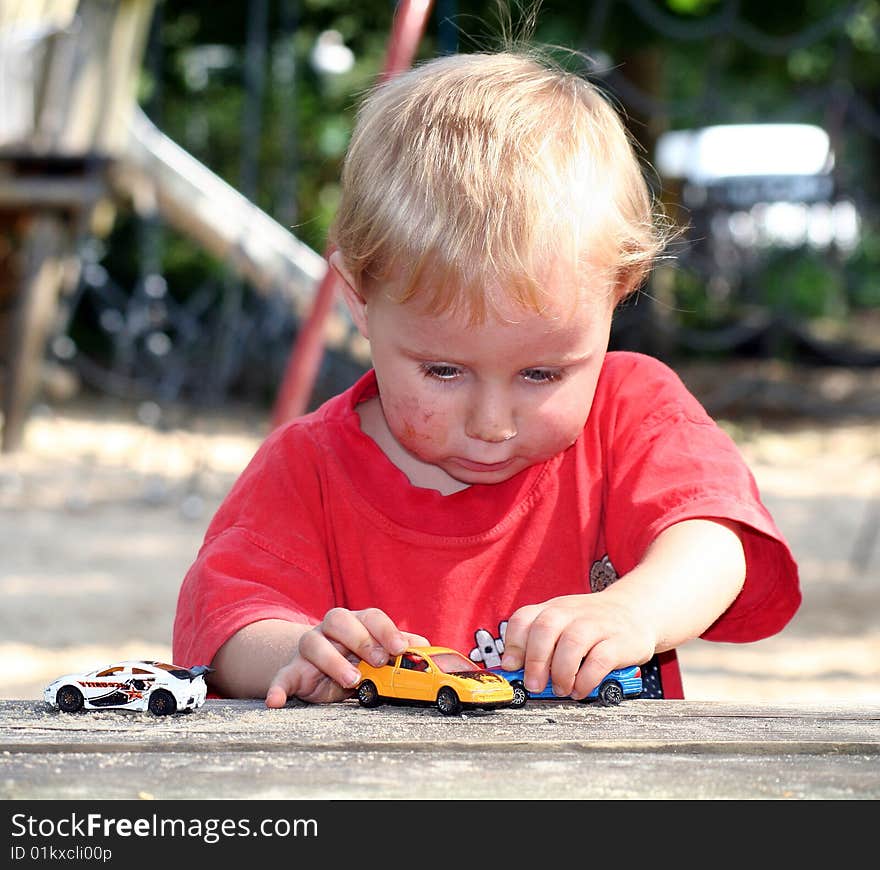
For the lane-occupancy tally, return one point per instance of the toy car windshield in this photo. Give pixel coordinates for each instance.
(455, 663)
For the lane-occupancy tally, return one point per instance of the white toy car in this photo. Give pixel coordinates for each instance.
(131, 685)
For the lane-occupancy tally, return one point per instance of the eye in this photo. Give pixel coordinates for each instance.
(440, 371)
(542, 376)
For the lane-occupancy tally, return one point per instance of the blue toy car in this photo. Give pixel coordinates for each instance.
(619, 684)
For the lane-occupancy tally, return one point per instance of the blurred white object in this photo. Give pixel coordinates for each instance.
(21, 50)
(737, 150)
(767, 184)
(330, 55)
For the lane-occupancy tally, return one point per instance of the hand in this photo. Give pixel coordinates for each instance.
(324, 668)
(576, 640)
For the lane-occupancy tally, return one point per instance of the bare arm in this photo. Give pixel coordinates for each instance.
(245, 665)
(688, 577)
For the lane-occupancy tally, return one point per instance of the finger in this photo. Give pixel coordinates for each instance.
(369, 634)
(415, 639)
(352, 632)
(282, 687)
(276, 697)
(571, 647)
(301, 679)
(516, 636)
(540, 645)
(384, 633)
(598, 663)
(331, 658)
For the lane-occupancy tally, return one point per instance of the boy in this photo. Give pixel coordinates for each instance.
(497, 483)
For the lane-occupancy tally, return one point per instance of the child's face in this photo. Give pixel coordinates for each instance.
(480, 403)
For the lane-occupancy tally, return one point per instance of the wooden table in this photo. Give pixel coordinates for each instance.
(546, 750)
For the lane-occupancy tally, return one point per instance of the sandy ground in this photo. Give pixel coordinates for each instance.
(104, 508)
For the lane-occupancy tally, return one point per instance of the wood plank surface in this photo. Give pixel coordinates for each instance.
(547, 750)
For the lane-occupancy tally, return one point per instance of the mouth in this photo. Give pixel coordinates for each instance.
(470, 465)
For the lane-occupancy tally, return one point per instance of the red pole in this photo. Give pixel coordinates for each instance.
(407, 29)
(293, 397)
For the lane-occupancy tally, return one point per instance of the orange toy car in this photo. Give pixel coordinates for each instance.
(433, 675)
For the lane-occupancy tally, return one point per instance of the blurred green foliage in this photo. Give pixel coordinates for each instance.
(803, 283)
(864, 268)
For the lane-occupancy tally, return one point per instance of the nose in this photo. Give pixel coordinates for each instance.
(491, 418)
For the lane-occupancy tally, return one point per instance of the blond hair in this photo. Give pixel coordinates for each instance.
(469, 175)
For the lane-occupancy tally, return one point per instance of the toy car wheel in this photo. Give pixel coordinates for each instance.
(447, 702)
(610, 694)
(69, 699)
(368, 694)
(162, 703)
(520, 695)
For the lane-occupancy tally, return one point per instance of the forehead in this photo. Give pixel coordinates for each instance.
(556, 290)
(512, 331)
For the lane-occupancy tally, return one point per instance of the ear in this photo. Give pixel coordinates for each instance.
(356, 303)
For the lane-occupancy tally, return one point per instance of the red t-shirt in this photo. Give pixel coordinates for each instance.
(321, 518)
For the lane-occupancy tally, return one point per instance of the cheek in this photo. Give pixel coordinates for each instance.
(559, 424)
(556, 433)
(417, 425)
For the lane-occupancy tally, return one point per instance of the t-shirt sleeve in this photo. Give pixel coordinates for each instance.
(264, 557)
(675, 463)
